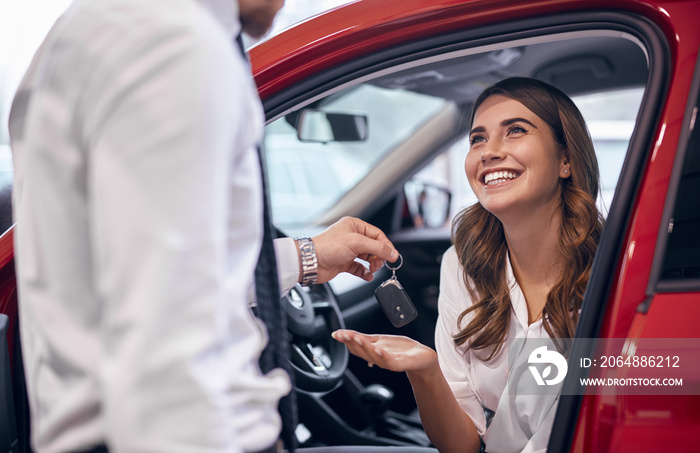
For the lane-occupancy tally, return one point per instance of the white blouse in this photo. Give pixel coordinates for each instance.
(522, 423)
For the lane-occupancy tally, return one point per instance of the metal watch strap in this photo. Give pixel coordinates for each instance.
(309, 261)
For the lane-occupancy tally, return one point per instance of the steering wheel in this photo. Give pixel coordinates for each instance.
(318, 361)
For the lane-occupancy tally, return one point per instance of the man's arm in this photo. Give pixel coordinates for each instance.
(337, 249)
(348, 239)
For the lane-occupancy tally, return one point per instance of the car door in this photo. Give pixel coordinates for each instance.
(652, 297)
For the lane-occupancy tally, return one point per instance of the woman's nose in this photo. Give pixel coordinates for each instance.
(492, 151)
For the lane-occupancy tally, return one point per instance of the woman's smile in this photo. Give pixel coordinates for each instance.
(498, 177)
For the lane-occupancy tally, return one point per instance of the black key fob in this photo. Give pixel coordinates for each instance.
(395, 303)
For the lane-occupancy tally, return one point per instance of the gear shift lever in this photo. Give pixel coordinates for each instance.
(376, 398)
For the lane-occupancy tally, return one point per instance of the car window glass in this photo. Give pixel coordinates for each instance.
(604, 73)
(682, 254)
(610, 117)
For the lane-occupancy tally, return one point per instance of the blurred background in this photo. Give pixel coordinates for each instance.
(24, 24)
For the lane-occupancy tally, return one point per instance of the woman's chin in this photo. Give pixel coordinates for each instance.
(498, 208)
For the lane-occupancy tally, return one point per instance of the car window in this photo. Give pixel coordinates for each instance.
(416, 115)
(681, 261)
(610, 116)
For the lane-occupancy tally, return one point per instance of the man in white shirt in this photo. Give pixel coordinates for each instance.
(138, 205)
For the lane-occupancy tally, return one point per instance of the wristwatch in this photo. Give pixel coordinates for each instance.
(309, 261)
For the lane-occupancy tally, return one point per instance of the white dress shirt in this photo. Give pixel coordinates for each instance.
(138, 207)
(522, 423)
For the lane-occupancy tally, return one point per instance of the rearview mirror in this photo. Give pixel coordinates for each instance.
(318, 126)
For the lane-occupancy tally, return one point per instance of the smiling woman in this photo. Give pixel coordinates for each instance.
(518, 269)
(553, 196)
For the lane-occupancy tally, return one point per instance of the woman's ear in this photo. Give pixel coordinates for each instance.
(565, 168)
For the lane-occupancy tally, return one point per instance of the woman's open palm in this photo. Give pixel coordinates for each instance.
(395, 353)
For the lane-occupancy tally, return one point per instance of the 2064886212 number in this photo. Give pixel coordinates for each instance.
(640, 361)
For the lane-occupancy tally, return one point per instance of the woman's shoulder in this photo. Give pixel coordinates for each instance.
(450, 258)
(451, 269)
(453, 290)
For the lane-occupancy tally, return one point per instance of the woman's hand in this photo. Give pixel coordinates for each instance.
(391, 352)
(445, 422)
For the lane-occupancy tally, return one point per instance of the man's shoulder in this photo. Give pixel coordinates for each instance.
(107, 36)
(136, 20)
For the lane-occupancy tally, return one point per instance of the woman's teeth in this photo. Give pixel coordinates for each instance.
(498, 177)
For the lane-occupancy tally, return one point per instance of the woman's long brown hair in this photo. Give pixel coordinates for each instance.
(481, 245)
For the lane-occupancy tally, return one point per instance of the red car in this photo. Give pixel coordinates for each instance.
(383, 89)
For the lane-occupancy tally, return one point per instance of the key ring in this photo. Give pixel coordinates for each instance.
(394, 269)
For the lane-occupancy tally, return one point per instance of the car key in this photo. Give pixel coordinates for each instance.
(395, 303)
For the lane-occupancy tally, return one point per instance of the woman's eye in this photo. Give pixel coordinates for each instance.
(517, 130)
(476, 139)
